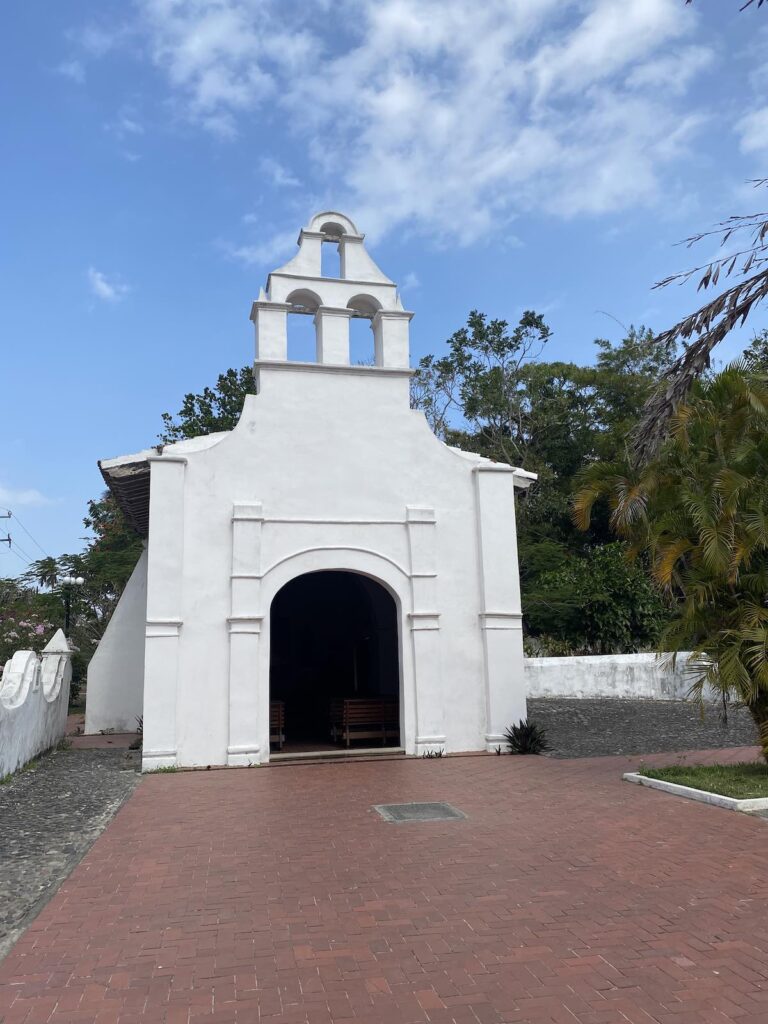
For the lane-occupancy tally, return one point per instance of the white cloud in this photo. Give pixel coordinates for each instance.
(72, 69)
(277, 174)
(674, 71)
(410, 281)
(11, 498)
(753, 131)
(105, 288)
(445, 117)
(277, 245)
(126, 123)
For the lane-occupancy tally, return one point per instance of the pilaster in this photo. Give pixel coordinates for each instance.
(165, 564)
(425, 628)
(501, 612)
(245, 698)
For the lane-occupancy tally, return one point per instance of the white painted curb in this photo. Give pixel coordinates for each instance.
(702, 795)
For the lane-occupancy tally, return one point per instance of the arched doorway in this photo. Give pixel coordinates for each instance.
(334, 664)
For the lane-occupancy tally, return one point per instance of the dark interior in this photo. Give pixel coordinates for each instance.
(333, 635)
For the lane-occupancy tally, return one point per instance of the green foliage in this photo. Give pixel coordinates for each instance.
(526, 738)
(698, 512)
(27, 622)
(106, 564)
(214, 409)
(756, 354)
(597, 604)
(493, 394)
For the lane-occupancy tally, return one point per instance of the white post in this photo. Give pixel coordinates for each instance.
(391, 342)
(271, 322)
(332, 326)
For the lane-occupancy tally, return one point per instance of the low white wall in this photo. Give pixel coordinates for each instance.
(34, 698)
(114, 698)
(610, 675)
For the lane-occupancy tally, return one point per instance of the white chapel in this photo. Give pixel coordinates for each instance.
(328, 575)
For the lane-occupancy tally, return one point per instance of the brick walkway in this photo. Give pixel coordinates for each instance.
(276, 895)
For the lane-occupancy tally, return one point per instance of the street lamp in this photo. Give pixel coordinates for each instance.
(67, 583)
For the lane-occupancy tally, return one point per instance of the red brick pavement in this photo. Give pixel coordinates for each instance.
(95, 741)
(277, 896)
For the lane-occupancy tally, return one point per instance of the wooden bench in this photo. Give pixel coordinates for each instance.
(277, 723)
(364, 718)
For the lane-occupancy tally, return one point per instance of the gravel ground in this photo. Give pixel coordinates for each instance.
(592, 728)
(50, 814)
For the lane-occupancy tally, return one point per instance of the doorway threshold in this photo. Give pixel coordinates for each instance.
(352, 754)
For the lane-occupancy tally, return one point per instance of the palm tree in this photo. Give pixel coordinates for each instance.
(745, 262)
(44, 572)
(698, 511)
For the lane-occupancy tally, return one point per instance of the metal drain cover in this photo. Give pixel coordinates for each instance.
(418, 812)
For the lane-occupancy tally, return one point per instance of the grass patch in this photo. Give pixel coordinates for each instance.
(745, 781)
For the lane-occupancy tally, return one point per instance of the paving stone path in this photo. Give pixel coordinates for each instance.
(50, 814)
(596, 728)
(279, 896)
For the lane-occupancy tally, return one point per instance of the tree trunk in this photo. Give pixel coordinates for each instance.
(759, 711)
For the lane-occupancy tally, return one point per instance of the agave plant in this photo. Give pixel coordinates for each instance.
(699, 512)
(526, 738)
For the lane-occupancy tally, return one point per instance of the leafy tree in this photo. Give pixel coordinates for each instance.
(492, 393)
(214, 409)
(698, 511)
(597, 604)
(25, 620)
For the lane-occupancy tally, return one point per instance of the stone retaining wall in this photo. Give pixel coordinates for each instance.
(585, 727)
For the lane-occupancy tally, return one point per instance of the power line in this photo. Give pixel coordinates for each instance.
(15, 545)
(34, 541)
(15, 552)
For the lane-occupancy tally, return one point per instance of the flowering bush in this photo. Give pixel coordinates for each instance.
(25, 621)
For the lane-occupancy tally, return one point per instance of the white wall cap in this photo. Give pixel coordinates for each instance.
(58, 644)
(361, 281)
(524, 479)
(392, 314)
(265, 303)
(295, 365)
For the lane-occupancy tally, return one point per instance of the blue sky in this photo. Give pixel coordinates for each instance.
(161, 155)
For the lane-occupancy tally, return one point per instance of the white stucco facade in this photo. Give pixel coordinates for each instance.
(328, 469)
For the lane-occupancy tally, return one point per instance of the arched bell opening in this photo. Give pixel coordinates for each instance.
(334, 664)
(362, 348)
(300, 326)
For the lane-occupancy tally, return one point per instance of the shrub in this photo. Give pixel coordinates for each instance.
(526, 738)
